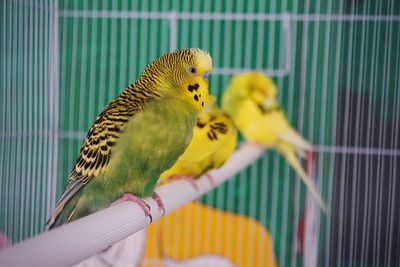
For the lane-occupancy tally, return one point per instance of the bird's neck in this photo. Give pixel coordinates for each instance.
(141, 91)
(151, 87)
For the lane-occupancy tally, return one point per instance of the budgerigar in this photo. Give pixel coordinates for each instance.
(214, 140)
(138, 135)
(251, 100)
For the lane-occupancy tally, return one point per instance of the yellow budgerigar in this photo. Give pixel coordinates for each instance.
(139, 134)
(214, 140)
(251, 100)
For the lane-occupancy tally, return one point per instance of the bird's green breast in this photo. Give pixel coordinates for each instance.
(151, 142)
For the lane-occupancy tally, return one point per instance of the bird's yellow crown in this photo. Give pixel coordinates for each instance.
(204, 60)
(256, 83)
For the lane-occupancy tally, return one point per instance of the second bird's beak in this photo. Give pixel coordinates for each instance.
(270, 102)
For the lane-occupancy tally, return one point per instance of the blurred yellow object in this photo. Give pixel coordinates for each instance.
(251, 100)
(214, 140)
(197, 232)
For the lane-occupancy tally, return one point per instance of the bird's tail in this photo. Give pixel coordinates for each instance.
(62, 214)
(292, 160)
(297, 141)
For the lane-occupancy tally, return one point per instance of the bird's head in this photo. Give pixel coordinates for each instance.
(183, 73)
(260, 88)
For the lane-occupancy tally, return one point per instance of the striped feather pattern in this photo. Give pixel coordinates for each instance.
(97, 148)
(160, 76)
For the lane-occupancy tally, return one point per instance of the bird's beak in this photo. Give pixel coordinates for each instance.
(270, 102)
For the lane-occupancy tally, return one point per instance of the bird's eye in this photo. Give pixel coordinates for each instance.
(192, 70)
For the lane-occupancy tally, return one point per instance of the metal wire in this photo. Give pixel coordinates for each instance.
(336, 65)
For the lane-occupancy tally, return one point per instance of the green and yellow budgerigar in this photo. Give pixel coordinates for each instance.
(214, 140)
(251, 100)
(140, 134)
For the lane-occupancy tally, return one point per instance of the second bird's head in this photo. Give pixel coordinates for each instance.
(183, 73)
(255, 86)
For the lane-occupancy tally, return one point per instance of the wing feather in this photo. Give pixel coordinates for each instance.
(216, 131)
(96, 150)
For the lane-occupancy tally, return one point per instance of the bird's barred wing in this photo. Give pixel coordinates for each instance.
(211, 133)
(96, 150)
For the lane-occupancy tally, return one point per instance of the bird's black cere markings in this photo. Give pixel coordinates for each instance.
(196, 97)
(193, 87)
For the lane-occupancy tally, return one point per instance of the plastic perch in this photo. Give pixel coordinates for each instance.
(81, 239)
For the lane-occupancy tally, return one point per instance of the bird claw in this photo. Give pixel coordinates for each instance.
(187, 178)
(159, 202)
(174, 178)
(210, 179)
(191, 181)
(132, 198)
(254, 144)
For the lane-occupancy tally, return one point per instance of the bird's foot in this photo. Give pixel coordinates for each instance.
(132, 198)
(210, 179)
(187, 178)
(191, 181)
(159, 202)
(174, 178)
(253, 143)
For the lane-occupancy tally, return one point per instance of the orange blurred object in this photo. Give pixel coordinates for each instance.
(197, 232)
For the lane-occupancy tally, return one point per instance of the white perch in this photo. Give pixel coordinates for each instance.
(81, 239)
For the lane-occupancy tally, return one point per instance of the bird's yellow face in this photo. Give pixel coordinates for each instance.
(262, 89)
(194, 74)
(184, 74)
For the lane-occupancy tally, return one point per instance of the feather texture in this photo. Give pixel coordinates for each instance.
(214, 140)
(138, 135)
(251, 101)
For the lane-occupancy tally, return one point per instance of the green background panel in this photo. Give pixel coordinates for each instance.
(336, 64)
